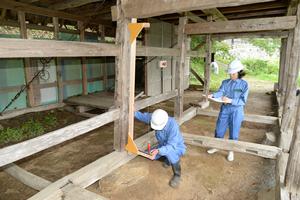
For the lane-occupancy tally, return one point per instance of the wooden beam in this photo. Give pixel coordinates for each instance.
(26, 177)
(191, 16)
(60, 92)
(197, 76)
(148, 51)
(182, 37)
(215, 13)
(10, 89)
(264, 151)
(24, 149)
(15, 113)
(73, 192)
(21, 48)
(248, 25)
(248, 117)
(141, 104)
(260, 34)
(156, 51)
(89, 174)
(72, 4)
(70, 191)
(145, 8)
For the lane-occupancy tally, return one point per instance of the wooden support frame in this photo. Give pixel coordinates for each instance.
(70, 191)
(215, 13)
(81, 28)
(60, 92)
(22, 48)
(21, 150)
(290, 86)
(27, 67)
(197, 76)
(89, 174)
(141, 104)
(264, 151)
(247, 25)
(15, 113)
(292, 176)
(248, 117)
(182, 37)
(26, 177)
(207, 70)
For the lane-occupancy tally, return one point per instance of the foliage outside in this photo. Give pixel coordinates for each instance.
(257, 69)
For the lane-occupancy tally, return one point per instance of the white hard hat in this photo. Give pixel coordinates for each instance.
(235, 66)
(159, 119)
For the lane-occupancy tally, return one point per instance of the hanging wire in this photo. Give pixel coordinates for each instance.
(45, 62)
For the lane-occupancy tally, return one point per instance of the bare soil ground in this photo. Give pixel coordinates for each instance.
(204, 176)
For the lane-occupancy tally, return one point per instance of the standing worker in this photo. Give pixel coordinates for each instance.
(170, 141)
(234, 93)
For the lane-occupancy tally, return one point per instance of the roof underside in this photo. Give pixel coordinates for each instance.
(99, 11)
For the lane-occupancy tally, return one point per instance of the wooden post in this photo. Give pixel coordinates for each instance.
(122, 80)
(83, 60)
(292, 178)
(290, 105)
(180, 68)
(282, 68)
(104, 66)
(60, 92)
(207, 63)
(27, 65)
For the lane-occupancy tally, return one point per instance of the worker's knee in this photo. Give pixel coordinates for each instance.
(173, 157)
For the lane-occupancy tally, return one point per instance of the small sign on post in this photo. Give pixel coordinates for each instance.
(163, 64)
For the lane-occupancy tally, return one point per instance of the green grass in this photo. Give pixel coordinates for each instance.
(28, 129)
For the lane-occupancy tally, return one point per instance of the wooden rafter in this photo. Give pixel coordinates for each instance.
(27, 8)
(193, 17)
(215, 13)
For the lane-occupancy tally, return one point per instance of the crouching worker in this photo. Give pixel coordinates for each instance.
(170, 141)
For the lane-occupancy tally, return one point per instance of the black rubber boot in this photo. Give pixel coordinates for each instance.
(166, 163)
(175, 180)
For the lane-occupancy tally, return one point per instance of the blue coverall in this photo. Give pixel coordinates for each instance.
(170, 141)
(231, 115)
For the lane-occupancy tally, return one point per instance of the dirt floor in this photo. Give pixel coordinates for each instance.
(204, 176)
